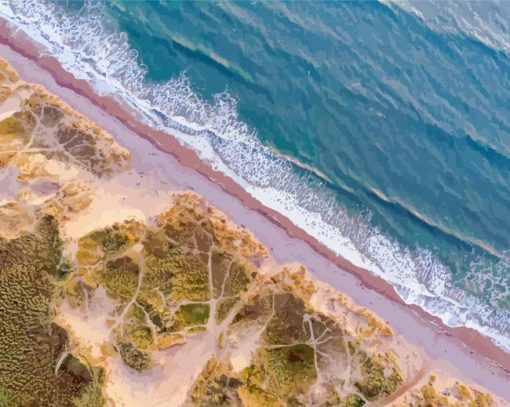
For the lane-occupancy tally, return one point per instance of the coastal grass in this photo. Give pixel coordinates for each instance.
(35, 368)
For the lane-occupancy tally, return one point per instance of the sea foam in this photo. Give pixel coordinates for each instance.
(103, 57)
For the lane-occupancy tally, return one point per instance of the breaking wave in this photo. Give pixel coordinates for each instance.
(104, 57)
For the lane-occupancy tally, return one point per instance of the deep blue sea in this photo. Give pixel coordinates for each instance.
(381, 128)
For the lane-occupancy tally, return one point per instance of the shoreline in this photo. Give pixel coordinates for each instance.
(474, 354)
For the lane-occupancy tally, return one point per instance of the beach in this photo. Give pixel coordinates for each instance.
(465, 350)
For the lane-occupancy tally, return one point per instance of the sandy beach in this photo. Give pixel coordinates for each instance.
(464, 349)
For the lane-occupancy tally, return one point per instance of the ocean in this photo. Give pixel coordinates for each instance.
(380, 128)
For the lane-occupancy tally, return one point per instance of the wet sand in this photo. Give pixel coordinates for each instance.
(471, 353)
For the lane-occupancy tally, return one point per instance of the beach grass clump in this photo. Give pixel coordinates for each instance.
(156, 244)
(238, 279)
(64, 269)
(70, 138)
(336, 400)
(14, 218)
(286, 325)
(458, 395)
(88, 253)
(107, 243)
(61, 134)
(120, 278)
(472, 397)
(190, 282)
(30, 344)
(216, 385)
(482, 400)
(7, 75)
(256, 397)
(50, 115)
(135, 328)
(82, 146)
(159, 272)
(223, 308)
(190, 315)
(113, 242)
(231, 275)
(193, 222)
(196, 329)
(203, 238)
(92, 396)
(277, 375)
(154, 305)
(353, 400)
(379, 378)
(116, 239)
(332, 340)
(134, 358)
(14, 133)
(288, 370)
(220, 266)
(255, 308)
(74, 292)
(429, 396)
(181, 220)
(179, 275)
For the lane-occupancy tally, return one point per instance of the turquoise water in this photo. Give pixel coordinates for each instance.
(389, 129)
(369, 95)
